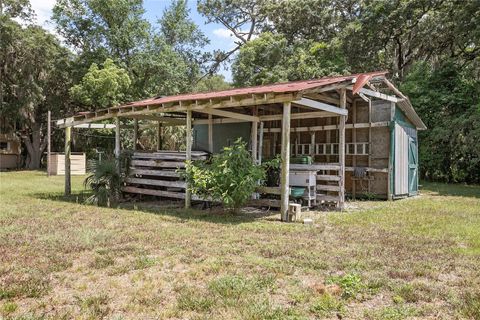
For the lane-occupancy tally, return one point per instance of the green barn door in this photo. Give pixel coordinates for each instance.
(412, 166)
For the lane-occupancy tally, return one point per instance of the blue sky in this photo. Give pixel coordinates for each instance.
(220, 38)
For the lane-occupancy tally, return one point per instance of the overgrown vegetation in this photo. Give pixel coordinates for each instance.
(229, 177)
(416, 258)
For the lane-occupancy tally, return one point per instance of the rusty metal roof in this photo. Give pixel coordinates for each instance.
(282, 87)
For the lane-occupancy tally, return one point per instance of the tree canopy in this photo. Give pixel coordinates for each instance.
(102, 88)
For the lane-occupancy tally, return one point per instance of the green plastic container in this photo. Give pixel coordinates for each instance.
(301, 160)
(297, 192)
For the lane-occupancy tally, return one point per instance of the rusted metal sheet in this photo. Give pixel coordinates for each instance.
(361, 81)
(284, 87)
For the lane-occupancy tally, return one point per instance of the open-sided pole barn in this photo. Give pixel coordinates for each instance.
(359, 129)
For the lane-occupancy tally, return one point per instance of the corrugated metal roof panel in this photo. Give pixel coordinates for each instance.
(283, 87)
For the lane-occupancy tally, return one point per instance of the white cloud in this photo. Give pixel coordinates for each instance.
(223, 33)
(227, 34)
(43, 11)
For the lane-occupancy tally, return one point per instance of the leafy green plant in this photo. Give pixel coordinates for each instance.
(350, 283)
(326, 304)
(105, 181)
(231, 177)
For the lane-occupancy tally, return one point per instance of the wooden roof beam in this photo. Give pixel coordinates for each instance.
(95, 126)
(323, 97)
(321, 106)
(377, 94)
(301, 115)
(229, 114)
(331, 87)
(247, 101)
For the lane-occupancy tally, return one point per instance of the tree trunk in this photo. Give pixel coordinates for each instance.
(35, 146)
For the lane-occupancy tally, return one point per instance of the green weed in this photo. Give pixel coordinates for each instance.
(327, 304)
(8, 308)
(350, 283)
(471, 305)
(194, 300)
(96, 307)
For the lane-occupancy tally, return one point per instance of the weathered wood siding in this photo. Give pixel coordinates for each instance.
(77, 164)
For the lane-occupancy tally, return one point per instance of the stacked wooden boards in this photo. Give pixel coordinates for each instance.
(77, 164)
(157, 173)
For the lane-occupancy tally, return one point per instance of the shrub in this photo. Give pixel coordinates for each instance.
(106, 181)
(230, 178)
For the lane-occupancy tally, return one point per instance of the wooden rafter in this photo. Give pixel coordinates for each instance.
(229, 114)
(181, 106)
(301, 115)
(377, 94)
(321, 106)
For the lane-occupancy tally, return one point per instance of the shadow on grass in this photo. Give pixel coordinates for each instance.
(457, 190)
(168, 208)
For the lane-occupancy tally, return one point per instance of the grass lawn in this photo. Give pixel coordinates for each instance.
(413, 258)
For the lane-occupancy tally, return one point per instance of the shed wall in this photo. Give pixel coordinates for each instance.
(224, 134)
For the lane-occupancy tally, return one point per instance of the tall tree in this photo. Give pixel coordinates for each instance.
(394, 34)
(157, 60)
(243, 18)
(35, 80)
(99, 29)
(179, 32)
(272, 58)
(447, 97)
(102, 88)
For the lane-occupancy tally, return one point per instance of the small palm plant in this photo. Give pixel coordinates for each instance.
(105, 181)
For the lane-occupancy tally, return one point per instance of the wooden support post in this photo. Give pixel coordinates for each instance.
(188, 155)
(295, 146)
(274, 144)
(159, 136)
(260, 144)
(369, 140)
(254, 137)
(284, 181)
(354, 140)
(341, 149)
(68, 152)
(117, 138)
(391, 155)
(328, 138)
(312, 145)
(210, 133)
(49, 141)
(135, 134)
